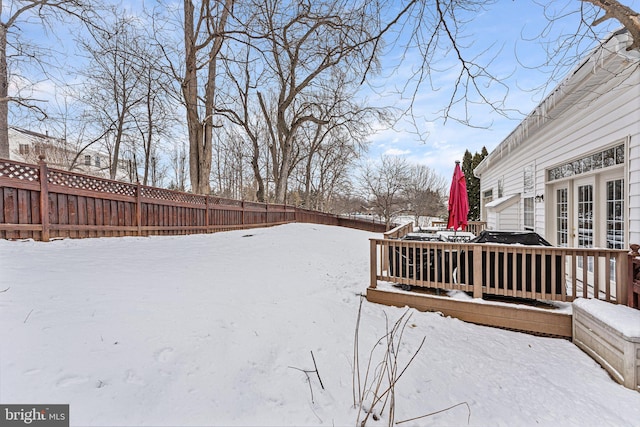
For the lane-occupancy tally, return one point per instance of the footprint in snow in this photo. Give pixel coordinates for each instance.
(133, 378)
(164, 355)
(70, 380)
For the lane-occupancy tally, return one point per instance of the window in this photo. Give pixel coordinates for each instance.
(500, 187)
(528, 213)
(562, 217)
(528, 179)
(487, 196)
(24, 149)
(602, 159)
(87, 160)
(98, 161)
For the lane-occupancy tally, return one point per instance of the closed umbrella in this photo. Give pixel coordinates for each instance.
(458, 201)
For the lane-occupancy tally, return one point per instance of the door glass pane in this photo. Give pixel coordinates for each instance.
(615, 214)
(585, 216)
(585, 222)
(562, 217)
(615, 219)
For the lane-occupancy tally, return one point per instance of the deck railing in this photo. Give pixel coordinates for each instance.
(40, 203)
(475, 227)
(633, 281)
(399, 231)
(532, 272)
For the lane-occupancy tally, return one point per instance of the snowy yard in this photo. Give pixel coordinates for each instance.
(209, 330)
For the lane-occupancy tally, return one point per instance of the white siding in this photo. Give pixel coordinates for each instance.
(605, 115)
(509, 218)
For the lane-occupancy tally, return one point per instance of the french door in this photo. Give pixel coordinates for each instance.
(584, 221)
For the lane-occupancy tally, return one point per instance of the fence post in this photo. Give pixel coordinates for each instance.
(139, 208)
(243, 210)
(266, 213)
(477, 271)
(44, 198)
(206, 213)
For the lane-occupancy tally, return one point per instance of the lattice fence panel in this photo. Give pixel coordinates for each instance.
(173, 196)
(19, 171)
(254, 205)
(83, 182)
(224, 202)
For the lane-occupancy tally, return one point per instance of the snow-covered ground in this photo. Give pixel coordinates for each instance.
(215, 330)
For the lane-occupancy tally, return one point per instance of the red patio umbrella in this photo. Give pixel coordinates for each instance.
(458, 200)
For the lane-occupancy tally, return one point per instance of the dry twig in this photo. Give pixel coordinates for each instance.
(307, 372)
(437, 412)
(27, 318)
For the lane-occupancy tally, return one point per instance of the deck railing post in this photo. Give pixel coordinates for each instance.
(373, 255)
(629, 276)
(477, 271)
(632, 298)
(44, 198)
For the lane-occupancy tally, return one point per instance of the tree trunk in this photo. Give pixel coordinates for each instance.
(283, 174)
(255, 165)
(200, 131)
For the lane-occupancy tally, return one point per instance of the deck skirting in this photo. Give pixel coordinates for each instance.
(517, 317)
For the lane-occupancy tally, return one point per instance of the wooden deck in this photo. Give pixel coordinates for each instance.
(518, 317)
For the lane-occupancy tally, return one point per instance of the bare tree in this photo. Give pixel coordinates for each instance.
(179, 167)
(14, 47)
(115, 76)
(425, 192)
(383, 185)
(303, 43)
(228, 173)
(204, 33)
(629, 18)
(154, 116)
(238, 104)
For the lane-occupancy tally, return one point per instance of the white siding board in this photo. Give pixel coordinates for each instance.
(510, 218)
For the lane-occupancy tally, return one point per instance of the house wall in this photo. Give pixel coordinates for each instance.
(506, 216)
(60, 155)
(604, 111)
(509, 218)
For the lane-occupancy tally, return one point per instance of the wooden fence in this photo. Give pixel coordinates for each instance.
(42, 203)
(532, 272)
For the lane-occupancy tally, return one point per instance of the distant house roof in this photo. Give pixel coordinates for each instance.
(32, 135)
(567, 92)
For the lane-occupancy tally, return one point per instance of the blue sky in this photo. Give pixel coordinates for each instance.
(506, 31)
